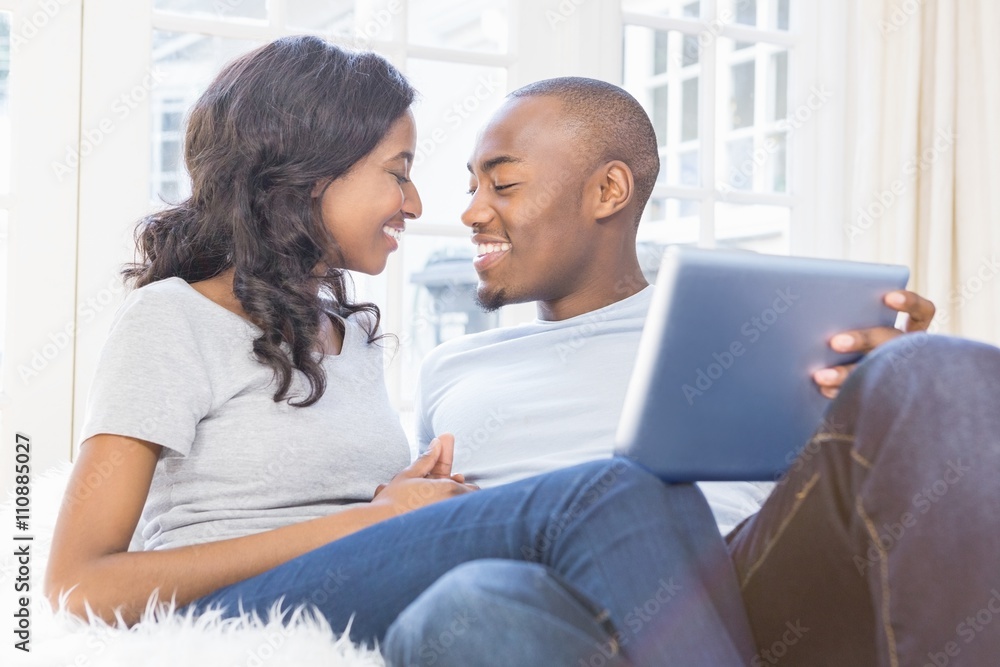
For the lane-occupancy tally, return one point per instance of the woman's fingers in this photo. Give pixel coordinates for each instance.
(442, 468)
(425, 463)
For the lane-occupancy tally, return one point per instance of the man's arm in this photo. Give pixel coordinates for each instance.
(919, 313)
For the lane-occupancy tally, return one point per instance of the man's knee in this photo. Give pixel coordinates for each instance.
(444, 614)
(941, 359)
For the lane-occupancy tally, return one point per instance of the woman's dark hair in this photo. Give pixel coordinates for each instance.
(273, 124)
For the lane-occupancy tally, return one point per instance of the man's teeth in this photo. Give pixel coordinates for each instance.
(392, 231)
(487, 248)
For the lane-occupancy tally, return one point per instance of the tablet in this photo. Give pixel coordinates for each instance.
(722, 388)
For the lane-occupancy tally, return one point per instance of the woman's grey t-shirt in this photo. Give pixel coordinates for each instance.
(178, 370)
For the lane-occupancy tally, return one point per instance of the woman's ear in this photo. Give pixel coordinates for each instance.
(616, 186)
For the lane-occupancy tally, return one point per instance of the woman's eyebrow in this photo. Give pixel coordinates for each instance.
(402, 155)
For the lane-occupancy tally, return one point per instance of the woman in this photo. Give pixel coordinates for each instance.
(239, 408)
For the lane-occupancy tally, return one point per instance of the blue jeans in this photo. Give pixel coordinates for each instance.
(636, 568)
(881, 546)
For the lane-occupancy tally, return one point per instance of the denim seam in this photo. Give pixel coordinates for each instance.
(886, 615)
(800, 498)
(845, 437)
(861, 459)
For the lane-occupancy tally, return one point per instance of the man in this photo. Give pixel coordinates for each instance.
(831, 569)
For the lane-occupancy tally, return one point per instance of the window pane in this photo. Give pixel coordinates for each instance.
(3, 289)
(689, 168)
(670, 97)
(5, 18)
(777, 163)
(781, 14)
(364, 20)
(743, 12)
(666, 221)
(758, 228)
(741, 164)
(691, 49)
(456, 100)
(753, 111)
(661, 99)
(243, 9)
(741, 97)
(189, 62)
(689, 109)
(660, 43)
(439, 302)
(470, 25)
(779, 85)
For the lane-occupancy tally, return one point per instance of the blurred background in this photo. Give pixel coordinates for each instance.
(863, 129)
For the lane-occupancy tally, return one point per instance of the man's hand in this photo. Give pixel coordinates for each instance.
(919, 313)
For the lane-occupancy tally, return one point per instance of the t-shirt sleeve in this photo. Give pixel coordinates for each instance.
(151, 381)
(421, 407)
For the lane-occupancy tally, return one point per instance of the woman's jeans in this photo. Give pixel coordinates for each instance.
(881, 546)
(634, 571)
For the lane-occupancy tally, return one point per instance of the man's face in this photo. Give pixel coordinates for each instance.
(526, 179)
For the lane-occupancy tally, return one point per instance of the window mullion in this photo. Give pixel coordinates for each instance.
(707, 123)
(277, 14)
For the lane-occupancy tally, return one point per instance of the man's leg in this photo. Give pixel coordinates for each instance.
(881, 545)
(648, 553)
(507, 613)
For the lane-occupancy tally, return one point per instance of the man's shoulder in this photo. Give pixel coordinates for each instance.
(626, 316)
(470, 343)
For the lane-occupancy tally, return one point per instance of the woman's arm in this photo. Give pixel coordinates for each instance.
(102, 505)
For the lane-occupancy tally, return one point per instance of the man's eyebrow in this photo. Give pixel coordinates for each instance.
(493, 163)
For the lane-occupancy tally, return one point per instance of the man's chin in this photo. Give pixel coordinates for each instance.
(492, 299)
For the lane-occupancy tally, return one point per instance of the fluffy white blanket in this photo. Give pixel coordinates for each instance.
(162, 637)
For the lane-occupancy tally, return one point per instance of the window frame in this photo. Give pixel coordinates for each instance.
(74, 262)
(800, 40)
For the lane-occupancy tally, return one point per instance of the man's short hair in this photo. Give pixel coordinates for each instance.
(611, 124)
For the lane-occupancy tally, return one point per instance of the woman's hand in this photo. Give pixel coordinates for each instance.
(425, 481)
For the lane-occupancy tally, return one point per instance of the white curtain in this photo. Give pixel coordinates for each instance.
(923, 151)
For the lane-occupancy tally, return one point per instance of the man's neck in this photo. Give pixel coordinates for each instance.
(591, 298)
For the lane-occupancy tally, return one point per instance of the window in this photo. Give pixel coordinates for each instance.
(4, 171)
(100, 132)
(456, 53)
(715, 79)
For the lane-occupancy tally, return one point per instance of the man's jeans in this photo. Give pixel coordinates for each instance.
(634, 571)
(881, 546)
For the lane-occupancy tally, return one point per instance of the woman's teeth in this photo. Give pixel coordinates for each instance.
(487, 248)
(392, 231)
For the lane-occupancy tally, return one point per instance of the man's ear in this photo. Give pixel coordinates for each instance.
(615, 187)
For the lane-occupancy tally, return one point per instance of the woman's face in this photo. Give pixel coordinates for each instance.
(366, 209)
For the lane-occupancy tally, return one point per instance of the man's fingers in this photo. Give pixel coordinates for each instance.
(863, 340)
(919, 311)
(378, 489)
(832, 378)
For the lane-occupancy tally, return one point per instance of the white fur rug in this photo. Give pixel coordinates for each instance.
(161, 638)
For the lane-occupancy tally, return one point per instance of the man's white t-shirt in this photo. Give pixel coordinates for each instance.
(540, 396)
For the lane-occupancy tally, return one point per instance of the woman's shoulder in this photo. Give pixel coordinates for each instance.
(156, 300)
(171, 309)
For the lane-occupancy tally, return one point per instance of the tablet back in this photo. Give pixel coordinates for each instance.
(722, 388)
